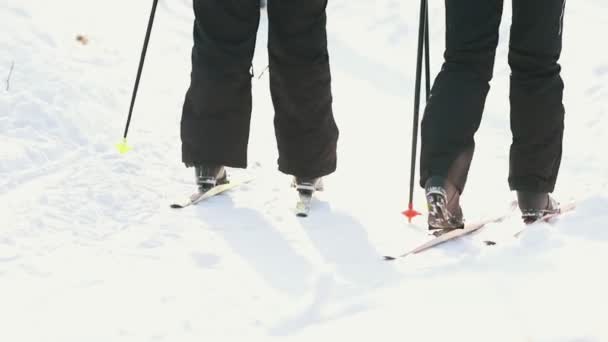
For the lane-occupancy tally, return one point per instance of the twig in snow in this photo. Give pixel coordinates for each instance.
(8, 79)
(263, 71)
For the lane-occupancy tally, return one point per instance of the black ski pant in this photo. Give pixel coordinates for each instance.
(454, 111)
(217, 109)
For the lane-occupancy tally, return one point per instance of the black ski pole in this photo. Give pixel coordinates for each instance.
(122, 146)
(427, 53)
(423, 36)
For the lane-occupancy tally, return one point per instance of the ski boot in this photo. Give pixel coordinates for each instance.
(208, 176)
(536, 205)
(443, 200)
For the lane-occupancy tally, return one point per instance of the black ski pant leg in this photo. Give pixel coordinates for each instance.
(300, 84)
(537, 112)
(217, 109)
(454, 111)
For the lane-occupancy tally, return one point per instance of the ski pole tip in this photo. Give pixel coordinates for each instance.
(123, 147)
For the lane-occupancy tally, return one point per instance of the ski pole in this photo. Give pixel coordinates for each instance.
(122, 146)
(427, 53)
(423, 37)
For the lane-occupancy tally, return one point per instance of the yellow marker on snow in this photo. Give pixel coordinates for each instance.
(122, 146)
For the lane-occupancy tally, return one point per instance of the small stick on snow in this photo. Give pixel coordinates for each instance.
(8, 79)
(262, 74)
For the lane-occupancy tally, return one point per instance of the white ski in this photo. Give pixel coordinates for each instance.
(448, 235)
(303, 205)
(216, 190)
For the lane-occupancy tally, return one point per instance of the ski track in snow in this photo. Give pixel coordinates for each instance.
(90, 251)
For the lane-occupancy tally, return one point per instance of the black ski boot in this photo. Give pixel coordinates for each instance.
(536, 205)
(208, 176)
(443, 201)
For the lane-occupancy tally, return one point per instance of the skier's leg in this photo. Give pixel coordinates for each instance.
(300, 84)
(453, 113)
(217, 108)
(537, 112)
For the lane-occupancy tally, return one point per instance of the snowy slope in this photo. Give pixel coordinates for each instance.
(90, 251)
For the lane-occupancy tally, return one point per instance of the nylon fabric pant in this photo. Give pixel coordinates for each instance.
(453, 113)
(217, 108)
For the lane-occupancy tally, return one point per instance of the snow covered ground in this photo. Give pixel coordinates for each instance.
(90, 251)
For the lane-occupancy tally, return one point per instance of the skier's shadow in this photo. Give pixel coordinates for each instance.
(314, 313)
(259, 244)
(343, 243)
(356, 269)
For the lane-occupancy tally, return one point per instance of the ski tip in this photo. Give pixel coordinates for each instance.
(302, 215)
(176, 206)
(389, 258)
